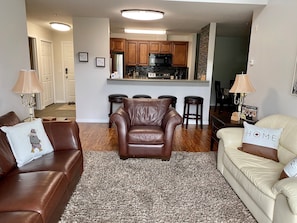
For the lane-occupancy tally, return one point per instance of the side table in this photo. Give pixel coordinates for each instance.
(219, 121)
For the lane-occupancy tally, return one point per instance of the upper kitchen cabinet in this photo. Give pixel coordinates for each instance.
(137, 53)
(160, 47)
(179, 54)
(117, 45)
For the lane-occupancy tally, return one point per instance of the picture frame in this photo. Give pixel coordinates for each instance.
(100, 62)
(294, 81)
(83, 57)
(249, 113)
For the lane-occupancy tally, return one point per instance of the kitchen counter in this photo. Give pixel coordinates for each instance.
(156, 87)
(159, 81)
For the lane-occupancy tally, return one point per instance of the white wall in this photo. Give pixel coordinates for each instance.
(14, 54)
(91, 35)
(273, 48)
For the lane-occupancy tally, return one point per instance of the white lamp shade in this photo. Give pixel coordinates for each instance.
(242, 84)
(27, 83)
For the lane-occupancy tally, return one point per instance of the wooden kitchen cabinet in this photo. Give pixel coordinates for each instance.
(159, 47)
(143, 53)
(179, 54)
(117, 45)
(137, 53)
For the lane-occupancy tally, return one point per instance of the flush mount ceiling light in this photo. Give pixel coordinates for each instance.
(142, 14)
(145, 31)
(60, 26)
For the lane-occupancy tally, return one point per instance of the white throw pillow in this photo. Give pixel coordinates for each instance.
(261, 141)
(28, 141)
(265, 137)
(291, 168)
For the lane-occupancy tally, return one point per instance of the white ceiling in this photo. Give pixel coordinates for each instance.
(181, 16)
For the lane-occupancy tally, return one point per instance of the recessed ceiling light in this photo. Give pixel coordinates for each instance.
(60, 26)
(142, 14)
(145, 31)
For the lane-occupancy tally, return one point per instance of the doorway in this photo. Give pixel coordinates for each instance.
(68, 69)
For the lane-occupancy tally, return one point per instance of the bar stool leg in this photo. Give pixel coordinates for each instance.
(201, 115)
(188, 113)
(197, 114)
(110, 112)
(184, 114)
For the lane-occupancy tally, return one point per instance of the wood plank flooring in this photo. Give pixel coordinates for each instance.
(97, 136)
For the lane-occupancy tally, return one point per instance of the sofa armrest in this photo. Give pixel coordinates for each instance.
(287, 187)
(121, 119)
(231, 136)
(63, 134)
(171, 119)
(169, 122)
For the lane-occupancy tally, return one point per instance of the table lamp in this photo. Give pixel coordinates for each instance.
(27, 86)
(242, 85)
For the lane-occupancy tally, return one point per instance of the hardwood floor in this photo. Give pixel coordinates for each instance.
(97, 136)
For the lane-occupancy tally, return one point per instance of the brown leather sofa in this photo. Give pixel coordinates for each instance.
(146, 128)
(39, 191)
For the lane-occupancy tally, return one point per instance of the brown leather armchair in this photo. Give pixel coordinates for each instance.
(145, 128)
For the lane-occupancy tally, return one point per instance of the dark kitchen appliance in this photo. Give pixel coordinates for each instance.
(160, 60)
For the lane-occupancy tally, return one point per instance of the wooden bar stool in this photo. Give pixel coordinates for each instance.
(193, 100)
(173, 99)
(115, 98)
(141, 96)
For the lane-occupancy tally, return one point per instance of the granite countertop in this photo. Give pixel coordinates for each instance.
(164, 81)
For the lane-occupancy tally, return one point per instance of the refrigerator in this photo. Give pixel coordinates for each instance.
(117, 61)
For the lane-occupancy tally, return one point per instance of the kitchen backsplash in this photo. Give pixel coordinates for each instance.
(141, 72)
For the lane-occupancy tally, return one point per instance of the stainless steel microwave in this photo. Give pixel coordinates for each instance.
(160, 60)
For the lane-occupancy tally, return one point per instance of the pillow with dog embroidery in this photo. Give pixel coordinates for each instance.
(28, 141)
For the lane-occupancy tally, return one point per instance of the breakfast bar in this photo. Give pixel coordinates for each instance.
(157, 87)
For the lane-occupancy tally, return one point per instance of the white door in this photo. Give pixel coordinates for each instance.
(68, 69)
(46, 73)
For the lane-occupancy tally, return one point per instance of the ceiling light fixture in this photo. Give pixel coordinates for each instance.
(60, 26)
(142, 14)
(145, 31)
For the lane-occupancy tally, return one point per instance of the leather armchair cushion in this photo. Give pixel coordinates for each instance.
(145, 135)
(146, 111)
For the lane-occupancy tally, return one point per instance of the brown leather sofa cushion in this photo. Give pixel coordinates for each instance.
(7, 160)
(37, 191)
(20, 216)
(143, 112)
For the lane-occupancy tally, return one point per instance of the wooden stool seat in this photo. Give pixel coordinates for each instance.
(115, 98)
(173, 99)
(193, 100)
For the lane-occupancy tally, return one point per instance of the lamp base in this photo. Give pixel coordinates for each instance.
(235, 116)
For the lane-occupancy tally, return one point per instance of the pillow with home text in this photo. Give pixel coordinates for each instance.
(261, 141)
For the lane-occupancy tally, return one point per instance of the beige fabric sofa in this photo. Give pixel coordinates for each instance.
(256, 179)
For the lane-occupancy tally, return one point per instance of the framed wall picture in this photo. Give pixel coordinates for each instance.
(100, 62)
(83, 57)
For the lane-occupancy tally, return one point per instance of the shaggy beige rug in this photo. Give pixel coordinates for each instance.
(188, 188)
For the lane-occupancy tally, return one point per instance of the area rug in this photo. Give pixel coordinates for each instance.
(70, 107)
(186, 189)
